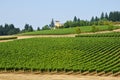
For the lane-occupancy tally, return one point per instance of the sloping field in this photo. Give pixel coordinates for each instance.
(110, 34)
(82, 55)
(63, 31)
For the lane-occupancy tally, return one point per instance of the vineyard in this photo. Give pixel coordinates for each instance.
(62, 54)
(113, 34)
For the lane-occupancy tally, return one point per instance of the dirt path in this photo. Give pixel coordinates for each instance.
(12, 76)
(31, 36)
(69, 35)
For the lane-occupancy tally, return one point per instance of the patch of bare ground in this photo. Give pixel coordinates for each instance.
(31, 76)
(33, 36)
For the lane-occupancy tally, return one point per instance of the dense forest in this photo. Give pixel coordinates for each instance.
(104, 19)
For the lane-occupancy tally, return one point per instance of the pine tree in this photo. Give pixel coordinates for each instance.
(106, 16)
(38, 29)
(102, 16)
(96, 18)
(92, 19)
(78, 19)
(111, 16)
(119, 16)
(52, 23)
(75, 19)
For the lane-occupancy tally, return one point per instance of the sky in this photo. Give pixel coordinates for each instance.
(40, 12)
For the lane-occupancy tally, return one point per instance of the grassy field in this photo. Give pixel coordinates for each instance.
(62, 54)
(67, 30)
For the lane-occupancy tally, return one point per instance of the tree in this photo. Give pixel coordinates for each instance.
(68, 24)
(78, 19)
(119, 16)
(52, 23)
(13, 30)
(8, 29)
(28, 28)
(1, 30)
(106, 16)
(38, 29)
(46, 27)
(11, 26)
(75, 19)
(110, 16)
(92, 19)
(96, 18)
(114, 16)
(102, 16)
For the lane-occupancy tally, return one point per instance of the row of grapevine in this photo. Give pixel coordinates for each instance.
(62, 54)
(113, 34)
(7, 38)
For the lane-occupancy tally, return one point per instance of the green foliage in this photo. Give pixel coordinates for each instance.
(94, 28)
(68, 24)
(68, 30)
(78, 31)
(110, 27)
(8, 29)
(46, 27)
(114, 16)
(113, 34)
(38, 29)
(106, 16)
(104, 19)
(102, 16)
(75, 19)
(52, 23)
(27, 28)
(58, 54)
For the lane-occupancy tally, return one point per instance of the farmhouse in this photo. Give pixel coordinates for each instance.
(58, 24)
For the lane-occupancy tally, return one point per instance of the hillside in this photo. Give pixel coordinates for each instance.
(63, 31)
(62, 54)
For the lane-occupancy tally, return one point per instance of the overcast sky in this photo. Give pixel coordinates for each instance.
(40, 12)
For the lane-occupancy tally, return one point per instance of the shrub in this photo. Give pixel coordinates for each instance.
(78, 31)
(94, 28)
(110, 27)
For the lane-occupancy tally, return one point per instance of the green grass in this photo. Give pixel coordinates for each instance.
(67, 30)
(61, 54)
(7, 38)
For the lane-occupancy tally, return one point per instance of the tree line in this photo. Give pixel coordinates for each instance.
(104, 19)
(10, 29)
